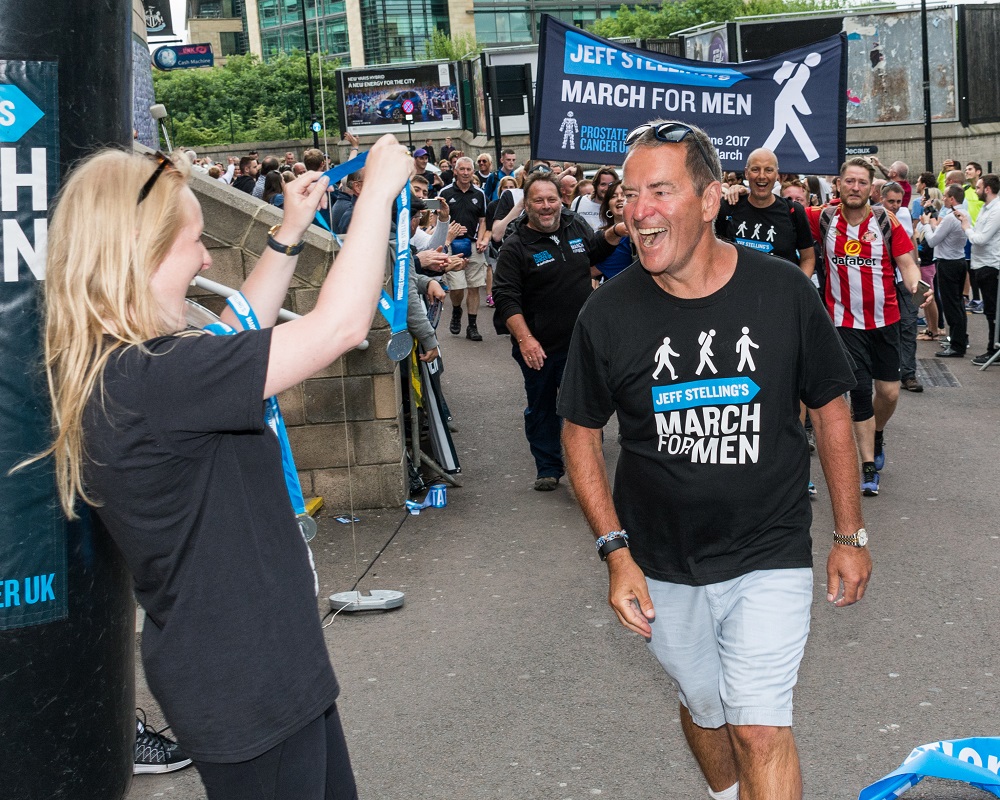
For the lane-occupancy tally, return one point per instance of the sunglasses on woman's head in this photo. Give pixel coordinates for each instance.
(162, 163)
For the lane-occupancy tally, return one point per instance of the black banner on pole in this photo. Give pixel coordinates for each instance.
(32, 533)
(592, 92)
(158, 18)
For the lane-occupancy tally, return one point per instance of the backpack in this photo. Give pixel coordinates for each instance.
(881, 216)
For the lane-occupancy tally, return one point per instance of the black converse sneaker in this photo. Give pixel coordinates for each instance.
(154, 752)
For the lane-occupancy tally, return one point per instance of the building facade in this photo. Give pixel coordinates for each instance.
(221, 23)
(361, 32)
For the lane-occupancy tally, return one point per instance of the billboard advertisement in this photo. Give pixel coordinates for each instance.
(885, 79)
(711, 45)
(374, 99)
(33, 534)
(591, 92)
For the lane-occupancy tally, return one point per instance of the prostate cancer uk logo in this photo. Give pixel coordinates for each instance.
(17, 113)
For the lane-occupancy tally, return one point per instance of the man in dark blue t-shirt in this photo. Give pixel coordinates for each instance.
(705, 379)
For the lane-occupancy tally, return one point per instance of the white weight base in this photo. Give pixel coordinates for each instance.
(378, 600)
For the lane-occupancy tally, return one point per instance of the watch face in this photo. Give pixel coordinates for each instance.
(862, 537)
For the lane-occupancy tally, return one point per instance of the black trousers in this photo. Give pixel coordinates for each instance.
(951, 282)
(987, 279)
(907, 333)
(312, 764)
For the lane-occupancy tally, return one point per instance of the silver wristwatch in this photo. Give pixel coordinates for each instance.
(859, 539)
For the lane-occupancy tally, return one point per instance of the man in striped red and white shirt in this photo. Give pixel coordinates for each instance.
(861, 299)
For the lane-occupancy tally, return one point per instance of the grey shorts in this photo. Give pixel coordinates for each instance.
(474, 274)
(734, 647)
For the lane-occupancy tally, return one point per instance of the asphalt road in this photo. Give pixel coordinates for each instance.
(506, 675)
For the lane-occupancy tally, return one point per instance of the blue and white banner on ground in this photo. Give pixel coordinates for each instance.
(973, 761)
(591, 92)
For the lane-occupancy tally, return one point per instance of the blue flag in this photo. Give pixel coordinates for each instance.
(591, 92)
(973, 761)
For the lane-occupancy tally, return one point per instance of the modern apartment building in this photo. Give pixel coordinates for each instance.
(361, 32)
(220, 22)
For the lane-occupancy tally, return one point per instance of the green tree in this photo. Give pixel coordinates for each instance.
(441, 47)
(659, 22)
(246, 100)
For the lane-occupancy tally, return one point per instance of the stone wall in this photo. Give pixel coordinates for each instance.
(344, 424)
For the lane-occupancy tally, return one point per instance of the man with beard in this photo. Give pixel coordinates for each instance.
(542, 280)
(757, 218)
(689, 350)
(862, 248)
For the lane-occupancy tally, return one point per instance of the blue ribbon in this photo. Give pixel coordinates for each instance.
(974, 761)
(393, 307)
(272, 412)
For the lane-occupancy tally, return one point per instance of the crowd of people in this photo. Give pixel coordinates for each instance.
(647, 292)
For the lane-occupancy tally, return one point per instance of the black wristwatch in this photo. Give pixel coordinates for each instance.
(607, 544)
(284, 249)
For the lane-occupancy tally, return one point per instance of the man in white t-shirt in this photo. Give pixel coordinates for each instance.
(590, 207)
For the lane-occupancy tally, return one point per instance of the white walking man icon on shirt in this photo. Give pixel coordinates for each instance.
(569, 128)
(743, 345)
(663, 355)
(790, 102)
(705, 340)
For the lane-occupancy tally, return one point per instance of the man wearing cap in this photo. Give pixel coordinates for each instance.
(420, 157)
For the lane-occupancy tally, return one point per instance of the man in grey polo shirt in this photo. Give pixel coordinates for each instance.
(985, 239)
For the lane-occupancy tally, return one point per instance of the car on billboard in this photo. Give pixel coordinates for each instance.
(392, 107)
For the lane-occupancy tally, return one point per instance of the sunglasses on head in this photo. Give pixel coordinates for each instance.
(673, 132)
(543, 168)
(162, 163)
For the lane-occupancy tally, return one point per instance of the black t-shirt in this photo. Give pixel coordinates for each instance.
(781, 229)
(711, 480)
(193, 495)
(466, 208)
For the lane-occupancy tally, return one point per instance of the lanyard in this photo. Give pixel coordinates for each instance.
(392, 306)
(272, 416)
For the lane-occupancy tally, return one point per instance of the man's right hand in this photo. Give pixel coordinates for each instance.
(433, 260)
(626, 587)
(731, 194)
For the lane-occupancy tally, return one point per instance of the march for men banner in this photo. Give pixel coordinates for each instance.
(591, 92)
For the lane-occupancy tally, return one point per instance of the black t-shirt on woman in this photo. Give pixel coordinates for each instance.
(711, 480)
(193, 494)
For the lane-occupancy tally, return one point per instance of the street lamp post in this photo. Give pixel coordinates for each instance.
(309, 76)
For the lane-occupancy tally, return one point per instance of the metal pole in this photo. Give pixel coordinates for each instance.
(928, 133)
(309, 74)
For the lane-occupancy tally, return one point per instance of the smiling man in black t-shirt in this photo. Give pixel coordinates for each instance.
(705, 379)
(755, 217)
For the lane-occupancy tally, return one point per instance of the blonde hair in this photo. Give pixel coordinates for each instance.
(103, 248)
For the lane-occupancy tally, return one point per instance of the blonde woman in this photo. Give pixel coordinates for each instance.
(161, 429)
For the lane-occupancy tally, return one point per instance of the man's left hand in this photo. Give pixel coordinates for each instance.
(848, 570)
(481, 245)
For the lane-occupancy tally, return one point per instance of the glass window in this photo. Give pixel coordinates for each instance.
(270, 42)
(293, 39)
(232, 44)
(268, 11)
(486, 27)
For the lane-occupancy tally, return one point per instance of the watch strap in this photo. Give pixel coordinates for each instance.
(284, 249)
(610, 542)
